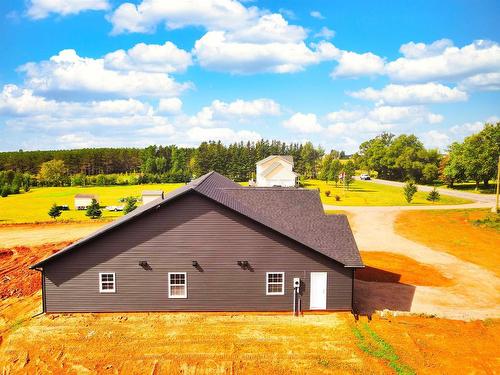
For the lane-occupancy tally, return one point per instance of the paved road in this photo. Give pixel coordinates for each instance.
(479, 200)
(484, 198)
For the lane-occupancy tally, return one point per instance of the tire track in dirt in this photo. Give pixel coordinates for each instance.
(475, 294)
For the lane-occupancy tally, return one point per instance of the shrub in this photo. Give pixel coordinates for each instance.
(130, 205)
(433, 195)
(94, 211)
(5, 191)
(337, 198)
(327, 193)
(409, 190)
(54, 211)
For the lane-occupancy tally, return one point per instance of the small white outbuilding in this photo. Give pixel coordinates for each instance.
(151, 195)
(82, 201)
(276, 170)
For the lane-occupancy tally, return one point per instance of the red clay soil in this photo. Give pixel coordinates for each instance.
(16, 279)
(394, 268)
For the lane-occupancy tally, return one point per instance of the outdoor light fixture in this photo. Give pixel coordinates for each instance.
(243, 264)
(144, 264)
(195, 263)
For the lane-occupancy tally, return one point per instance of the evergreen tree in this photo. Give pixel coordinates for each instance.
(93, 210)
(409, 190)
(334, 171)
(349, 171)
(433, 195)
(54, 211)
(130, 205)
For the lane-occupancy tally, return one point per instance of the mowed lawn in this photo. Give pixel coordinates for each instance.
(362, 193)
(455, 232)
(33, 206)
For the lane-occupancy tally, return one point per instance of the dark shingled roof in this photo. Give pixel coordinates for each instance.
(295, 213)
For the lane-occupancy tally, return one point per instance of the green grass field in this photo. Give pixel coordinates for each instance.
(470, 187)
(33, 206)
(362, 193)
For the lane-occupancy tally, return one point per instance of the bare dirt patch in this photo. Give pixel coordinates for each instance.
(208, 343)
(454, 232)
(38, 234)
(395, 268)
(16, 279)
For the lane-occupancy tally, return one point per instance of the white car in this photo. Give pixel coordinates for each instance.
(114, 208)
(364, 176)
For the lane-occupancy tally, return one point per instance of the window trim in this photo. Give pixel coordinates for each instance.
(101, 290)
(276, 283)
(185, 295)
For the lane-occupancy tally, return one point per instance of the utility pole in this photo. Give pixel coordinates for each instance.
(498, 183)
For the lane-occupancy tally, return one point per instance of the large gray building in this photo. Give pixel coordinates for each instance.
(211, 245)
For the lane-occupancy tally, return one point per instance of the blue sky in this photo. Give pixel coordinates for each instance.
(93, 73)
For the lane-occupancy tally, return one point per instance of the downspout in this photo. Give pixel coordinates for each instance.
(42, 275)
(352, 290)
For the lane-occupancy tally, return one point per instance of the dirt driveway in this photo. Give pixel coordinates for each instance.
(474, 295)
(39, 234)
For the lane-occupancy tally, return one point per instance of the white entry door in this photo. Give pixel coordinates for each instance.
(318, 291)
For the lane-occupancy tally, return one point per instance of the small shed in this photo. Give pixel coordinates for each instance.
(82, 201)
(151, 195)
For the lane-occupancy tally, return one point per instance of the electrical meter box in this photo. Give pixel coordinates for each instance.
(296, 282)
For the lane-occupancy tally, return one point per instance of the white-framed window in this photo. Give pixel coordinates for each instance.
(275, 283)
(107, 282)
(177, 285)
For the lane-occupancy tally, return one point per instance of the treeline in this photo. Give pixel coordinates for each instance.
(474, 159)
(399, 158)
(405, 158)
(89, 161)
(155, 164)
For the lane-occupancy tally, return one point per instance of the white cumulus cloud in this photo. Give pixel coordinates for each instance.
(411, 94)
(317, 14)
(215, 51)
(156, 58)
(38, 9)
(481, 82)
(170, 105)
(210, 14)
(441, 61)
(67, 72)
(220, 112)
(303, 123)
(225, 135)
(325, 33)
(352, 64)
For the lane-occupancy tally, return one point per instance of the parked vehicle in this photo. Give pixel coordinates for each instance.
(364, 176)
(63, 207)
(114, 208)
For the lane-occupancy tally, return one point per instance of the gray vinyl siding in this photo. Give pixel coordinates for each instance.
(169, 239)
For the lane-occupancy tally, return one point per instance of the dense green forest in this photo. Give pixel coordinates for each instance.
(400, 158)
(110, 166)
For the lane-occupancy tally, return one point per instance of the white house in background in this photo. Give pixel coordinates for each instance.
(82, 201)
(151, 195)
(276, 170)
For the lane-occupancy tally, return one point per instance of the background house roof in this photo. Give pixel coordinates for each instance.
(287, 158)
(86, 196)
(295, 213)
(152, 192)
